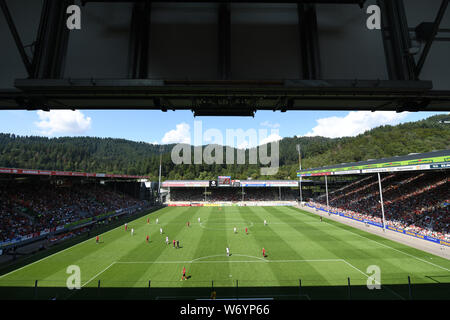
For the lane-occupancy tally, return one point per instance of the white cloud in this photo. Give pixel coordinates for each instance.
(271, 138)
(63, 121)
(354, 123)
(269, 124)
(179, 135)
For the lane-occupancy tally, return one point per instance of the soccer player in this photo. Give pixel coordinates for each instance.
(148, 220)
(160, 231)
(188, 224)
(147, 238)
(234, 229)
(320, 218)
(174, 243)
(198, 219)
(167, 240)
(132, 231)
(265, 222)
(157, 220)
(184, 274)
(97, 239)
(264, 253)
(126, 226)
(228, 252)
(246, 230)
(178, 244)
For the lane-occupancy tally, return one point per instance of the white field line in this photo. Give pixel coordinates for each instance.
(377, 282)
(410, 255)
(53, 254)
(222, 261)
(98, 274)
(384, 245)
(71, 247)
(197, 260)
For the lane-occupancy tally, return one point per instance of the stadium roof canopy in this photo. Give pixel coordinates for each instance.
(411, 162)
(57, 173)
(224, 57)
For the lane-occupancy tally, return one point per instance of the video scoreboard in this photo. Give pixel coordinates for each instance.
(224, 181)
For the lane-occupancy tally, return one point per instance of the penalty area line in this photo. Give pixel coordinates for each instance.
(98, 274)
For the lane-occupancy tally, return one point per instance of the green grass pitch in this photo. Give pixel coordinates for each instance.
(305, 259)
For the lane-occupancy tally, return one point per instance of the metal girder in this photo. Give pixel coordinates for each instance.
(52, 41)
(224, 39)
(358, 2)
(309, 41)
(396, 40)
(225, 97)
(15, 34)
(430, 40)
(139, 40)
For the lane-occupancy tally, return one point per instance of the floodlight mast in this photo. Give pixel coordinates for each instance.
(159, 180)
(326, 190)
(381, 202)
(300, 168)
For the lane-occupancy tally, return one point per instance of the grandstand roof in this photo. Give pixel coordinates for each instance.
(57, 173)
(414, 161)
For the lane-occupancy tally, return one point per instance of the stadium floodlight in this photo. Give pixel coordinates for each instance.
(381, 202)
(159, 179)
(300, 168)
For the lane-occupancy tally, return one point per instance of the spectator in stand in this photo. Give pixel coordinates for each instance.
(413, 201)
(27, 208)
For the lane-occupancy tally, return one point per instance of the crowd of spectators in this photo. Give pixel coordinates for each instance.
(233, 194)
(418, 202)
(27, 208)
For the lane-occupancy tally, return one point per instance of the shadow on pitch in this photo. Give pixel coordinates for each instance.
(191, 291)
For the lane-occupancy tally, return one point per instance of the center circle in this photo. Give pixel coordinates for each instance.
(226, 225)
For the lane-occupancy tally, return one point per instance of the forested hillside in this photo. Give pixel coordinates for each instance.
(129, 157)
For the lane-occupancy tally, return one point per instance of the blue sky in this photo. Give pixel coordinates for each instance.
(173, 127)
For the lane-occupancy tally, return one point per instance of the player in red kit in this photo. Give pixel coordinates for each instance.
(97, 239)
(147, 238)
(188, 224)
(184, 274)
(264, 252)
(148, 220)
(174, 243)
(246, 230)
(126, 226)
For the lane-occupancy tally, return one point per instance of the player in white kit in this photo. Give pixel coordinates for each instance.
(228, 251)
(160, 231)
(132, 231)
